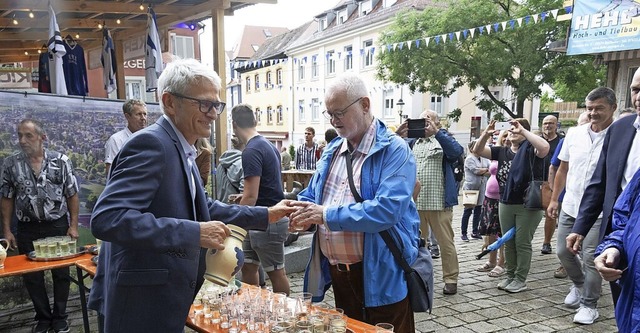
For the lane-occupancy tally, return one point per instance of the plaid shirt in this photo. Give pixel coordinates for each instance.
(429, 155)
(345, 247)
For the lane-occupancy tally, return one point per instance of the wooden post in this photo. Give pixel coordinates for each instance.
(217, 19)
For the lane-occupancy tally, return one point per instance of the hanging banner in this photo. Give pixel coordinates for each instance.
(599, 26)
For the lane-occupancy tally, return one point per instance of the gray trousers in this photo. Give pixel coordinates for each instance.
(583, 275)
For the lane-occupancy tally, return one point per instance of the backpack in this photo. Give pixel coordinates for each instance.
(458, 168)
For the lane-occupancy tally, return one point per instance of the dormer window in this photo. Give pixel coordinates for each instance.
(322, 24)
(389, 3)
(342, 16)
(365, 7)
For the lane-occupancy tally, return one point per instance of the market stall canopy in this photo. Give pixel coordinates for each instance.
(24, 24)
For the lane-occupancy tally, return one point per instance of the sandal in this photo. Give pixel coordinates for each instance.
(486, 267)
(497, 271)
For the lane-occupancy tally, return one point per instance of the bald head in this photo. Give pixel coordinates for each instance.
(549, 127)
(583, 118)
(430, 114)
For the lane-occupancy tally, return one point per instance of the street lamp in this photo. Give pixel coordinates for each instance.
(400, 104)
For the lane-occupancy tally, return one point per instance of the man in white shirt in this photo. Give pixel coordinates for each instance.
(135, 111)
(579, 157)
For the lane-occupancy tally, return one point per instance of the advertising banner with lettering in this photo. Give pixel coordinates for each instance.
(599, 26)
(15, 78)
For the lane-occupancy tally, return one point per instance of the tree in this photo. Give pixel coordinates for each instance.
(575, 85)
(517, 56)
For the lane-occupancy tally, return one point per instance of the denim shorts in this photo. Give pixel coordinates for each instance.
(266, 248)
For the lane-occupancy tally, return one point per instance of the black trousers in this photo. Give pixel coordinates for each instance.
(348, 290)
(34, 282)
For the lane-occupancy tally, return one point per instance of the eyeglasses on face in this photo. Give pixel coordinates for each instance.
(205, 106)
(341, 113)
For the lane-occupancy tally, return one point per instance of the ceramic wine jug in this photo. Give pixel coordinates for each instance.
(3, 251)
(222, 266)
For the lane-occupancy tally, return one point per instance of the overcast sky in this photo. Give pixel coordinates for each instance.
(286, 13)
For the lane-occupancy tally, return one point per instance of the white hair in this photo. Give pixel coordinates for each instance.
(351, 84)
(182, 74)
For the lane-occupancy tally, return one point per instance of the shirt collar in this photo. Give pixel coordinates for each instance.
(188, 150)
(636, 123)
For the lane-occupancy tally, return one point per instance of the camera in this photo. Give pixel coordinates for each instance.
(416, 128)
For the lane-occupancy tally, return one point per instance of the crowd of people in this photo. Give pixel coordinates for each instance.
(156, 220)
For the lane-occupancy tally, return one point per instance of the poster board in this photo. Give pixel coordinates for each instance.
(78, 127)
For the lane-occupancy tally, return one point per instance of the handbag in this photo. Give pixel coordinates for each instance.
(470, 198)
(419, 275)
(533, 193)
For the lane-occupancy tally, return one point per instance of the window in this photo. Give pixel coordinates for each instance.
(301, 110)
(365, 7)
(367, 47)
(269, 115)
(279, 115)
(248, 84)
(301, 71)
(342, 17)
(269, 82)
(258, 117)
(389, 3)
(182, 46)
(387, 112)
(279, 77)
(314, 66)
(437, 104)
(257, 82)
(331, 62)
(348, 58)
(315, 109)
(322, 24)
(133, 89)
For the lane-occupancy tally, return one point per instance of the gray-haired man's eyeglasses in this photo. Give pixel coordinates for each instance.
(205, 106)
(341, 113)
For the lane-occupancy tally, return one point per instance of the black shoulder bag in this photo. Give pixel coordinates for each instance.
(419, 276)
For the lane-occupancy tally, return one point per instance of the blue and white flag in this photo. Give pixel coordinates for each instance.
(153, 53)
(56, 52)
(108, 60)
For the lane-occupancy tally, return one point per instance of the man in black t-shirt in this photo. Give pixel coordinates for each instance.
(549, 133)
(262, 187)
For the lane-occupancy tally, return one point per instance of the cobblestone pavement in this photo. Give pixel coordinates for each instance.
(478, 307)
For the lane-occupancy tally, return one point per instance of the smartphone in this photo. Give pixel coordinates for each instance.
(503, 125)
(416, 128)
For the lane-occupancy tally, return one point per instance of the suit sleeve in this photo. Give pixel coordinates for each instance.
(136, 187)
(246, 217)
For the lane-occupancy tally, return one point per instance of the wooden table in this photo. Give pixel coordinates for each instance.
(20, 264)
(302, 176)
(84, 268)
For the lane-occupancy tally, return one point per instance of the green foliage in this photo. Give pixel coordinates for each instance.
(575, 85)
(292, 152)
(546, 103)
(568, 123)
(516, 57)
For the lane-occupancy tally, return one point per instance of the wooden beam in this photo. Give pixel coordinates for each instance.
(22, 58)
(112, 7)
(42, 36)
(120, 81)
(75, 23)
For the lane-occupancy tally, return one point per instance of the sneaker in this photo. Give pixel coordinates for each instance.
(291, 238)
(586, 316)
(572, 300)
(476, 236)
(465, 238)
(435, 251)
(516, 286)
(60, 326)
(504, 283)
(546, 248)
(41, 327)
(560, 273)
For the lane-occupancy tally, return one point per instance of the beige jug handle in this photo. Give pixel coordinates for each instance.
(6, 242)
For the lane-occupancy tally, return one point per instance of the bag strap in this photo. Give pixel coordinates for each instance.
(386, 236)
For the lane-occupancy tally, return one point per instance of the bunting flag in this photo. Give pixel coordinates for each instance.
(459, 36)
(108, 60)
(153, 53)
(56, 52)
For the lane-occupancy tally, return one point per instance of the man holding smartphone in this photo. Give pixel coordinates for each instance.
(435, 151)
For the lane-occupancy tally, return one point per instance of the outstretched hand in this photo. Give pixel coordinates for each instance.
(306, 214)
(280, 210)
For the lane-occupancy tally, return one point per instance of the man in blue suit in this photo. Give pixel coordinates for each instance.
(154, 216)
(619, 159)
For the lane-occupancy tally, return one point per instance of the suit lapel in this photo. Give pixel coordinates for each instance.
(628, 133)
